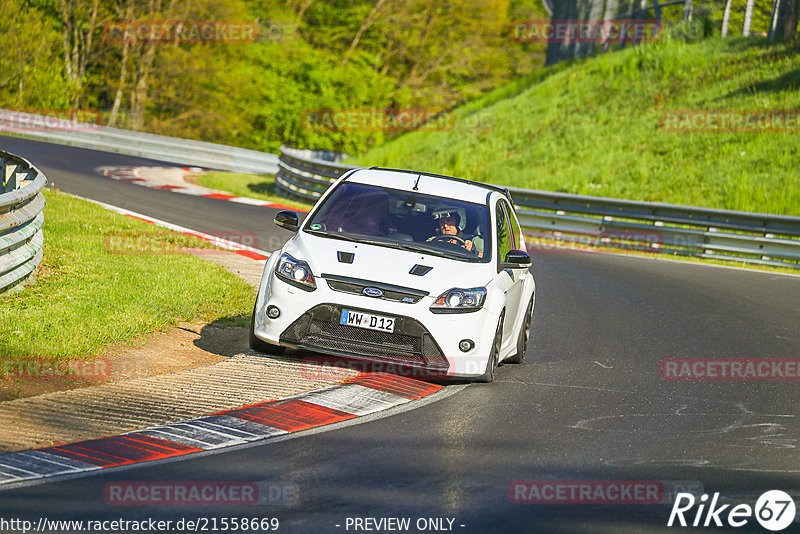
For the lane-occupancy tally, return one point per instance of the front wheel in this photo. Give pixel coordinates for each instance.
(260, 345)
(494, 357)
(524, 335)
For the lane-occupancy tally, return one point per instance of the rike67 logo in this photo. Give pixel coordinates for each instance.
(774, 510)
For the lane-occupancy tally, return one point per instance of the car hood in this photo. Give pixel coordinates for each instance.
(386, 265)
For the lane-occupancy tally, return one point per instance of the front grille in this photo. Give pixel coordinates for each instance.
(410, 343)
(356, 286)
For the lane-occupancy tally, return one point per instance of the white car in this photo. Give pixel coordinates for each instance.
(425, 271)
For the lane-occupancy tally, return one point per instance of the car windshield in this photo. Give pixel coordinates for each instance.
(405, 220)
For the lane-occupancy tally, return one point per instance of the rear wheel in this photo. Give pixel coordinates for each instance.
(494, 357)
(524, 335)
(259, 344)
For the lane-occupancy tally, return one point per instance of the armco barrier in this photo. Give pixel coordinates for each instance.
(160, 147)
(553, 220)
(21, 219)
(306, 174)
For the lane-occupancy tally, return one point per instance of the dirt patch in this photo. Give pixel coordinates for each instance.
(187, 346)
(191, 177)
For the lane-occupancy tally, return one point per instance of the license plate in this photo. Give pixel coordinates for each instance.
(367, 320)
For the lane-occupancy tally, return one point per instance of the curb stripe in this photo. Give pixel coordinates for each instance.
(193, 435)
(399, 385)
(130, 175)
(355, 399)
(366, 394)
(291, 415)
(121, 450)
(241, 428)
(42, 463)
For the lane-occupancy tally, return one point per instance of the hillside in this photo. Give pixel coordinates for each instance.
(595, 127)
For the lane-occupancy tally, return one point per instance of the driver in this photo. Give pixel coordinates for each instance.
(449, 224)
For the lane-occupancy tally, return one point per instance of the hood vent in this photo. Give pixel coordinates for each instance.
(345, 257)
(420, 270)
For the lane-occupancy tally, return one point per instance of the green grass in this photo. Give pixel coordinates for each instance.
(261, 187)
(108, 278)
(594, 127)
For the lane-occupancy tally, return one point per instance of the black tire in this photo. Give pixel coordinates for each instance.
(524, 335)
(494, 359)
(260, 345)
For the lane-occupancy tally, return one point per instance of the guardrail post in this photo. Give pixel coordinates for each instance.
(9, 177)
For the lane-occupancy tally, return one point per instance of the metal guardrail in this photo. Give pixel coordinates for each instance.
(306, 174)
(21, 219)
(151, 146)
(555, 220)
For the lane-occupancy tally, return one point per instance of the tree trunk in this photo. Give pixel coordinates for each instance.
(726, 17)
(123, 78)
(688, 9)
(369, 20)
(610, 14)
(77, 39)
(302, 10)
(595, 17)
(563, 10)
(748, 17)
(786, 18)
(123, 69)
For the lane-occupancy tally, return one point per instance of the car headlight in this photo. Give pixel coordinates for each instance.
(295, 272)
(458, 300)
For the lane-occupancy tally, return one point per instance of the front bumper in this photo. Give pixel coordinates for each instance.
(410, 343)
(422, 340)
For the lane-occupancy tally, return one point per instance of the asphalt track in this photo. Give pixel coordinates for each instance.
(589, 402)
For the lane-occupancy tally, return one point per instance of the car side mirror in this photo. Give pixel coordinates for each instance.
(287, 219)
(516, 259)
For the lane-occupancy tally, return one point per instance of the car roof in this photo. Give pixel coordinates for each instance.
(426, 183)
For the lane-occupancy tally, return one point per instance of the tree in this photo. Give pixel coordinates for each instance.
(31, 61)
(79, 29)
(369, 20)
(726, 18)
(569, 10)
(785, 15)
(748, 17)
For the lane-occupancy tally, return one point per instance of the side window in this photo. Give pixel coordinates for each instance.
(513, 237)
(516, 231)
(503, 234)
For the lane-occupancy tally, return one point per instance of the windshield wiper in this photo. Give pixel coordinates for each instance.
(332, 236)
(424, 250)
(434, 252)
(392, 244)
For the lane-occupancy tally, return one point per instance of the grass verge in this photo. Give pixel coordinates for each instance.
(110, 278)
(594, 127)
